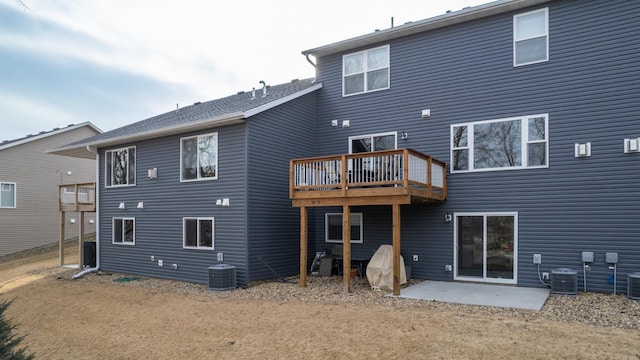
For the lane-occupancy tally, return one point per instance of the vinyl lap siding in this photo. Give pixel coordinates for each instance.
(167, 201)
(35, 221)
(275, 137)
(465, 73)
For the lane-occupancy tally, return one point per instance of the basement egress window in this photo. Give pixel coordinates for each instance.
(198, 233)
(124, 231)
(333, 227)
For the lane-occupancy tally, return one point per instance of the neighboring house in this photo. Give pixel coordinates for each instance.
(523, 121)
(29, 179)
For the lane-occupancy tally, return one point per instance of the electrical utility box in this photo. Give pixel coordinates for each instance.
(587, 256)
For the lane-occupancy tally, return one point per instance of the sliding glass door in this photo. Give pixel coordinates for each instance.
(486, 247)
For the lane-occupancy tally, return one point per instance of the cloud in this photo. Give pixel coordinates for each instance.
(119, 61)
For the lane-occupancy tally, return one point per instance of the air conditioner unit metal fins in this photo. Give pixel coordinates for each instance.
(564, 281)
(633, 286)
(222, 277)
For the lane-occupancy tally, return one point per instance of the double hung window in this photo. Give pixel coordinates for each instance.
(120, 167)
(198, 233)
(365, 71)
(199, 157)
(124, 231)
(531, 37)
(7, 195)
(512, 143)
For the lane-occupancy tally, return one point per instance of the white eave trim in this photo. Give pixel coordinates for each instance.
(73, 150)
(456, 17)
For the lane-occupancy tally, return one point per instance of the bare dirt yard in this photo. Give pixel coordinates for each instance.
(139, 318)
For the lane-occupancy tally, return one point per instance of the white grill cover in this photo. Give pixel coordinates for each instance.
(380, 269)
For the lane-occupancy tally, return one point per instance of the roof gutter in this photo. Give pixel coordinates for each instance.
(452, 18)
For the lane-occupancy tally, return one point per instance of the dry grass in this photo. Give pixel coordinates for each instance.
(96, 318)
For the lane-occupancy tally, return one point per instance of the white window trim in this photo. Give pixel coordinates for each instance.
(326, 228)
(484, 246)
(546, 21)
(15, 194)
(198, 219)
(113, 225)
(215, 134)
(524, 142)
(135, 168)
(371, 136)
(365, 70)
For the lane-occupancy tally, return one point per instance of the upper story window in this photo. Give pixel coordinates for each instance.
(365, 71)
(199, 157)
(120, 167)
(124, 231)
(198, 233)
(333, 227)
(7, 195)
(513, 143)
(531, 37)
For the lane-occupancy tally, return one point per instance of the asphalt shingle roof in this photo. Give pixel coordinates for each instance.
(234, 104)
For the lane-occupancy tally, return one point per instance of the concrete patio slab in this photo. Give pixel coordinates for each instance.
(478, 294)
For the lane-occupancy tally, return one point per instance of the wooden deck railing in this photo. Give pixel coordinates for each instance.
(402, 171)
(77, 197)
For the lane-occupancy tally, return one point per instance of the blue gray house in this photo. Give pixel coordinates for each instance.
(491, 144)
(182, 191)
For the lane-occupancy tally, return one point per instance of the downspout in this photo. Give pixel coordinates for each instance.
(90, 270)
(306, 55)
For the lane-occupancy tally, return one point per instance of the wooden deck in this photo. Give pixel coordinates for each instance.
(402, 176)
(390, 177)
(77, 197)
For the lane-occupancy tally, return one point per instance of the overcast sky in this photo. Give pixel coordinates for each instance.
(115, 62)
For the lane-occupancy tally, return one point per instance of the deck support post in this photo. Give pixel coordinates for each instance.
(81, 241)
(61, 246)
(303, 246)
(346, 248)
(396, 249)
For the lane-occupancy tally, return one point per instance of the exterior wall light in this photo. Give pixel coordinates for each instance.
(583, 149)
(122, 206)
(448, 217)
(140, 205)
(223, 202)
